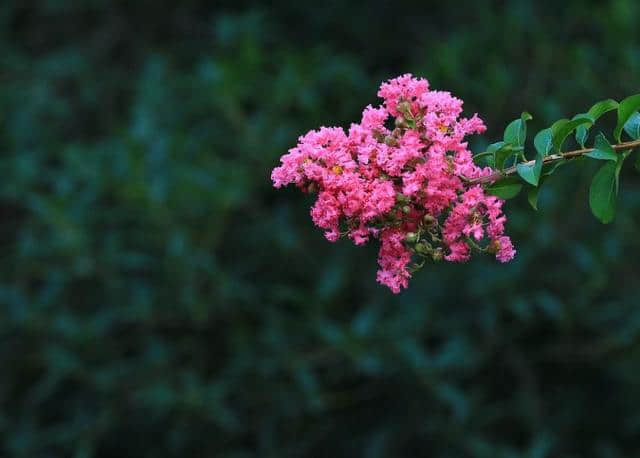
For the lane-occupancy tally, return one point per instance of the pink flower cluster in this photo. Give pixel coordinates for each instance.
(402, 176)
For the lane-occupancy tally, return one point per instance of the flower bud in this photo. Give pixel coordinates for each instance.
(404, 107)
(493, 247)
(391, 141)
(401, 197)
(423, 247)
(428, 219)
(410, 237)
(378, 135)
(406, 209)
(437, 254)
(400, 122)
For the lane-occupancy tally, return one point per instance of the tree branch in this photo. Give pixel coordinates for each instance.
(552, 158)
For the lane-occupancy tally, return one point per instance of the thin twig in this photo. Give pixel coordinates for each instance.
(552, 158)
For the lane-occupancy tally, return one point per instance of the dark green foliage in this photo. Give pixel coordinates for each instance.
(159, 299)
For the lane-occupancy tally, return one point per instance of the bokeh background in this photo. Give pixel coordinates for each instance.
(158, 298)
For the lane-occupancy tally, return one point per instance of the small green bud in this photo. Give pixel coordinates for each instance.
(406, 209)
(411, 237)
(437, 255)
(423, 247)
(401, 197)
(400, 121)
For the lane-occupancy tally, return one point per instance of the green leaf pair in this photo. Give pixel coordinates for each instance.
(500, 152)
(594, 113)
(516, 134)
(561, 129)
(512, 145)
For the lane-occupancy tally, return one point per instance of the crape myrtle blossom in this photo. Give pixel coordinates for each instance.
(402, 176)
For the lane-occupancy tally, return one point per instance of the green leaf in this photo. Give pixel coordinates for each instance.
(503, 153)
(601, 108)
(516, 131)
(507, 188)
(602, 150)
(543, 141)
(479, 155)
(532, 197)
(595, 112)
(531, 172)
(621, 157)
(632, 126)
(582, 133)
(492, 148)
(548, 169)
(602, 195)
(625, 110)
(637, 163)
(561, 129)
(487, 156)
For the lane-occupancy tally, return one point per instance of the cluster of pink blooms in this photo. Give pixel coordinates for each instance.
(403, 176)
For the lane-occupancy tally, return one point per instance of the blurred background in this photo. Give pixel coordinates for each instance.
(158, 298)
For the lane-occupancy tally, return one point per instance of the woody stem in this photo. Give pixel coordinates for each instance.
(497, 175)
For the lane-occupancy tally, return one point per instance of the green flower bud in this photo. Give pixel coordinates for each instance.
(411, 237)
(401, 197)
(423, 247)
(437, 254)
(406, 209)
